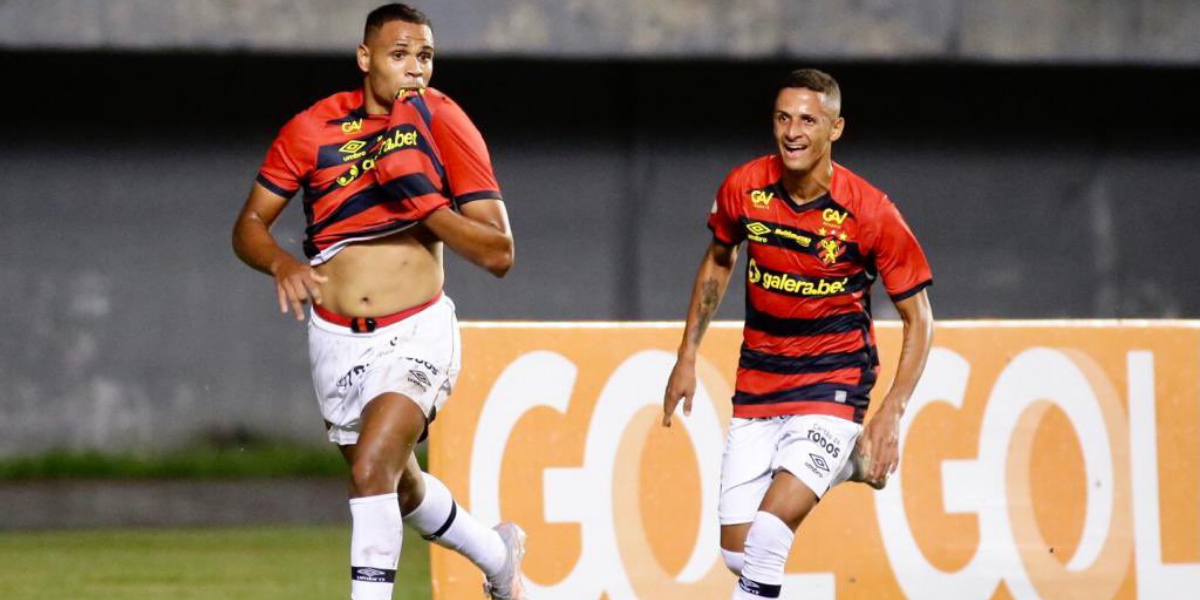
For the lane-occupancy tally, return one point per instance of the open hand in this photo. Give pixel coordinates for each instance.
(295, 284)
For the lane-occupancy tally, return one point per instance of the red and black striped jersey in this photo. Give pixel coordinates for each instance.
(330, 149)
(808, 342)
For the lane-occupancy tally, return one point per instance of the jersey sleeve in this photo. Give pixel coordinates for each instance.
(468, 164)
(723, 217)
(285, 167)
(898, 256)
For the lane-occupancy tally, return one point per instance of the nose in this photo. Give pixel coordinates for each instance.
(413, 68)
(793, 129)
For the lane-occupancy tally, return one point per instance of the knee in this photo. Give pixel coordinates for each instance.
(769, 540)
(733, 561)
(370, 478)
(411, 489)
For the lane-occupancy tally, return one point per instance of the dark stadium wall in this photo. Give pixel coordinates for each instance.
(1037, 191)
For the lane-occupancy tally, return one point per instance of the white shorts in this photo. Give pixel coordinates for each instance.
(814, 448)
(419, 356)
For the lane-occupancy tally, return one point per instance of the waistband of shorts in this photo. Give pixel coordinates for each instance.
(370, 324)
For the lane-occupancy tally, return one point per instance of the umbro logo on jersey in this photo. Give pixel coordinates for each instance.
(757, 228)
(352, 146)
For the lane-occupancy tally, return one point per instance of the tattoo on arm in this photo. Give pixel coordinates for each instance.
(709, 299)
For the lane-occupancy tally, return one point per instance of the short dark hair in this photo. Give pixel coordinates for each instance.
(815, 80)
(392, 12)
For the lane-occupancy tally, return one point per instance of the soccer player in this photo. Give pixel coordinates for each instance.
(817, 236)
(390, 173)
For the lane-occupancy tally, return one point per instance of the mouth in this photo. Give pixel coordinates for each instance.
(794, 149)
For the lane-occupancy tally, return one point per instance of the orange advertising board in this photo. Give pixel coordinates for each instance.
(1040, 460)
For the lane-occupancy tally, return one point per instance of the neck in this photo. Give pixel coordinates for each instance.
(806, 186)
(372, 103)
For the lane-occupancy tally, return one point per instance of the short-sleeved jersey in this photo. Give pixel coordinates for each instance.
(808, 342)
(329, 150)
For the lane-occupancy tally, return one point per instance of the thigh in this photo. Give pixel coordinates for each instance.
(391, 425)
(789, 499)
(746, 469)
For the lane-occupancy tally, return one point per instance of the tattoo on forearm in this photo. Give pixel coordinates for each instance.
(709, 299)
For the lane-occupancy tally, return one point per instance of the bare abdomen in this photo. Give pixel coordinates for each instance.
(384, 276)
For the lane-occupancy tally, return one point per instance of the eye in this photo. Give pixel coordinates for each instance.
(426, 56)
(399, 55)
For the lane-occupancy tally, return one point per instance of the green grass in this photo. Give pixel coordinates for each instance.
(283, 563)
(249, 460)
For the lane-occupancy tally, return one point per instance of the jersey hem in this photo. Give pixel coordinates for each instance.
(913, 291)
(480, 195)
(275, 189)
(802, 407)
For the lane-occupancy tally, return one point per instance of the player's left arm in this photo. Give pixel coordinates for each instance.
(480, 234)
(882, 434)
(479, 231)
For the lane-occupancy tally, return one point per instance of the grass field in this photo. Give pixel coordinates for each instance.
(252, 460)
(284, 563)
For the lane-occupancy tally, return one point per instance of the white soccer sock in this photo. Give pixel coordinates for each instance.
(767, 546)
(440, 520)
(375, 542)
(734, 560)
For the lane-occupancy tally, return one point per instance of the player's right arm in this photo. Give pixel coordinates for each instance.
(712, 279)
(295, 281)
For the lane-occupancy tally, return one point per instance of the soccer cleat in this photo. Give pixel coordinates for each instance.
(508, 584)
(861, 464)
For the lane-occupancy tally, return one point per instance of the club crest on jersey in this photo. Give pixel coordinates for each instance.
(761, 199)
(831, 248)
(354, 126)
(831, 245)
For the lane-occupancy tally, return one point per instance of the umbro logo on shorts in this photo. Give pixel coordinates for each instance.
(819, 462)
(419, 378)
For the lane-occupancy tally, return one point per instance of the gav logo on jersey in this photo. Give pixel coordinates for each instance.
(761, 198)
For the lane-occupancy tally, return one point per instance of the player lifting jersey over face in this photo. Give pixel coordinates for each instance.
(817, 236)
(389, 173)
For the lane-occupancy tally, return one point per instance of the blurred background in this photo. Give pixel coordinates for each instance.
(1045, 153)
